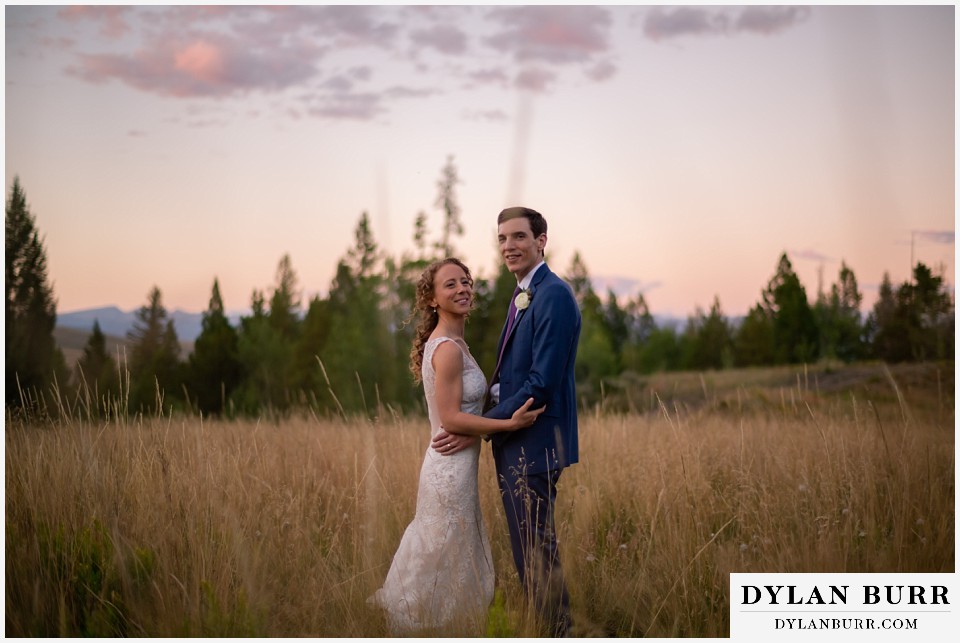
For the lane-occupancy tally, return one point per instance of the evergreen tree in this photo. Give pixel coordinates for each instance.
(838, 318)
(285, 301)
(33, 359)
(932, 335)
(915, 322)
(660, 351)
(596, 359)
(885, 332)
(314, 334)
(214, 366)
(616, 321)
(447, 201)
(260, 351)
(795, 331)
(359, 355)
(155, 372)
(754, 339)
(96, 368)
(708, 342)
(420, 238)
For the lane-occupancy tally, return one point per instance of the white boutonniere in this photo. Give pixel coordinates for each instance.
(522, 300)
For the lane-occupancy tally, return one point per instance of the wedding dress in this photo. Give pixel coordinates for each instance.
(442, 573)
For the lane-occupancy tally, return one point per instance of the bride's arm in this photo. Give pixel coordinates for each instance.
(448, 366)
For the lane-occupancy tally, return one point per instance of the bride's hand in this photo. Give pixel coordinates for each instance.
(524, 416)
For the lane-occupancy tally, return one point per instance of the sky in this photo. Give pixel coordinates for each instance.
(680, 150)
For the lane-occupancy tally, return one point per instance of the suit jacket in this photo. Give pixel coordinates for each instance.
(538, 362)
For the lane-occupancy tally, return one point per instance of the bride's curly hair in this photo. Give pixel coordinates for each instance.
(428, 314)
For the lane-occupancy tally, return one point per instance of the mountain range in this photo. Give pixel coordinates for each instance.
(118, 323)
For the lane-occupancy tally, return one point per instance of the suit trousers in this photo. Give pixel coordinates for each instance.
(528, 501)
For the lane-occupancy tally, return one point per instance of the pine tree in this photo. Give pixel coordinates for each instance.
(314, 334)
(707, 342)
(33, 359)
(359, 356)
(838, 316)
(214, 366)
(96, 368)
(754, 340)
(155, 373)
(596, 359)
(795, 331)
(886, 334)
(447, 201)
(915, 322)
(285, 301)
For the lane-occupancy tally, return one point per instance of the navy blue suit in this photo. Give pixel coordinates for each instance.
(538, 362)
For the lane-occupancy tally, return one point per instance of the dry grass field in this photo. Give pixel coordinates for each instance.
(177, 526)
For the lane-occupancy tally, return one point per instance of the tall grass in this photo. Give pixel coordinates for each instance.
(178, 526)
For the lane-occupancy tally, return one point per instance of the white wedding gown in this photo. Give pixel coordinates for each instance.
(442, 573)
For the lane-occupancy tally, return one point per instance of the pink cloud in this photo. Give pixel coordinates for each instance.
(494, 76)
(663, 23)
(811, 255)
(201, 60)
(770, 20)
(348, 106)
(936, 236)
(446, 39)
(212, 65)
(113, 23)
(491, 115)
(563, 34)
(601, 71)
(537, 80)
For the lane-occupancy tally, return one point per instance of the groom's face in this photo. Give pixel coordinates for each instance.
(521, 251)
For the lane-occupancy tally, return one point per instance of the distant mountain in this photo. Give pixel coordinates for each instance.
(118, 323)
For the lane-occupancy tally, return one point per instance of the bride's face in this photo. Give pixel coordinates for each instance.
(452, 290)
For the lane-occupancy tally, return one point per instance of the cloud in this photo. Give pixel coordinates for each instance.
(665, 23)
(601, 71)
(200, 65)
(811, 255)
(661, 23)
(936, 236)
(622, 286)
(770, 20)
(361, 106)
(490, 76)
(224, 52)
(112, 18)
(189, 52)
(552, 35)
(343, 103)
(536, 80)
(445, 38)
(489, 115)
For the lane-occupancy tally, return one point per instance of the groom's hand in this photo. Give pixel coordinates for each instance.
(449, 443)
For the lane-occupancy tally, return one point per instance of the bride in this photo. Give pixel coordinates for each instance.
(442, 573)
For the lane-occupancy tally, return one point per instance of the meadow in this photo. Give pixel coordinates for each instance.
(181, 526)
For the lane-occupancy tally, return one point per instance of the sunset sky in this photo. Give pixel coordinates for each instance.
(680, 150)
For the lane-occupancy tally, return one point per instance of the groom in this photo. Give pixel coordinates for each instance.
(537, 349)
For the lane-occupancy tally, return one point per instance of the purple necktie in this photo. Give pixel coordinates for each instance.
(511, 316)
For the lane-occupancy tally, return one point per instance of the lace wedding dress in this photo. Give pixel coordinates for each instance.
(442, 573)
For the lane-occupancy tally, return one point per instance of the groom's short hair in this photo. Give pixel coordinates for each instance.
(538, 225)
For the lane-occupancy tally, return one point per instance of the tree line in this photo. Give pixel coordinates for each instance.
(348, 351)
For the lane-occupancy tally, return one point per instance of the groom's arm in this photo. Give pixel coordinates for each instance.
(553, 341)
